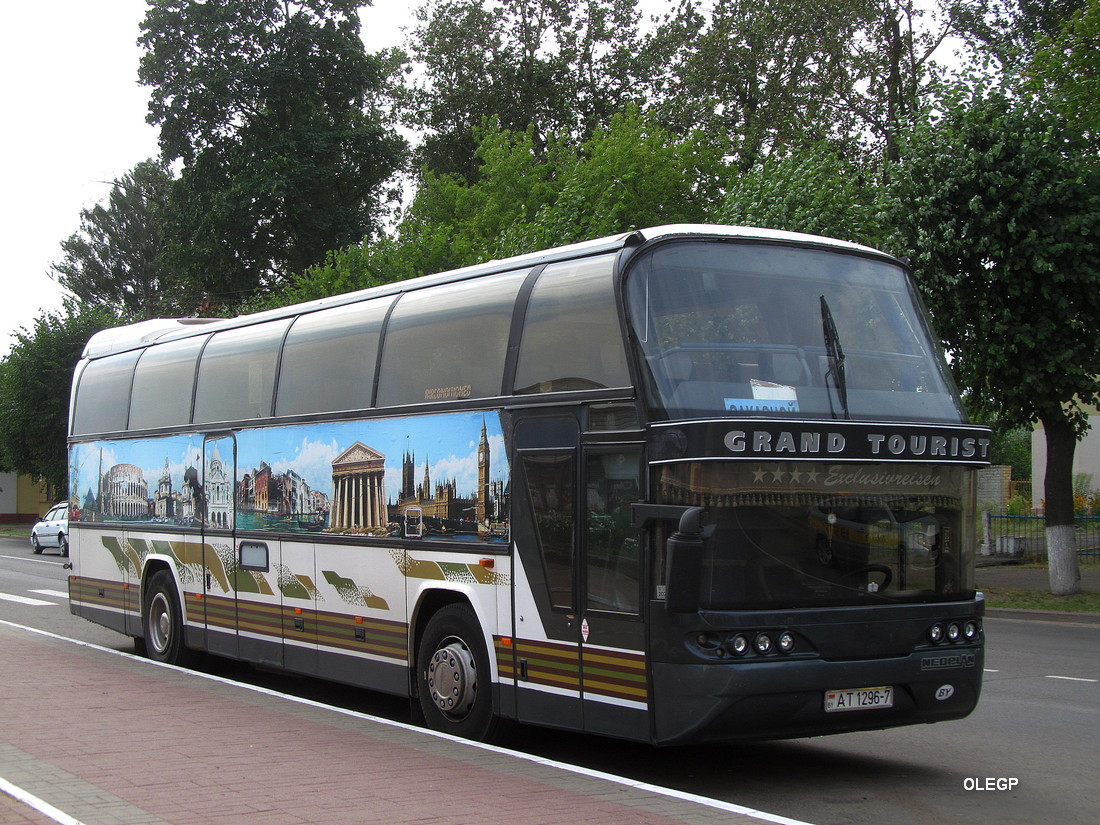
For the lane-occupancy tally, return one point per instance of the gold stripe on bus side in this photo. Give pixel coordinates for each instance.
(103, 593)
(616, 674)
(382, 637)
(256, 617)
(505, 655)
(551, 664)
(379, 637)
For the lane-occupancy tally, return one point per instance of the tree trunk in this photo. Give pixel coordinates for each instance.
(1065, 572)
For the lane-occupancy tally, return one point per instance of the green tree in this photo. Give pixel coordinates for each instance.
(272, 108)
(1066, 70)
(631, 173)
(999, 210)
(1011, 444)
(536, 66)
(771, 77)
(118, 258)
(35, 378)
(453, 222)
(814, 190)
(1010, 31)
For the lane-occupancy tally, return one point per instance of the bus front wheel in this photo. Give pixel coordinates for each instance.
(453, 680)
(162, 622)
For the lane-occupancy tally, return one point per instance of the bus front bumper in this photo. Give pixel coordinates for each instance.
(786, 698)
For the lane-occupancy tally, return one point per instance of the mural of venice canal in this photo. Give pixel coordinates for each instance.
(436, 476)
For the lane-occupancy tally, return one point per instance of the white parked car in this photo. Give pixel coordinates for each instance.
(52, 530)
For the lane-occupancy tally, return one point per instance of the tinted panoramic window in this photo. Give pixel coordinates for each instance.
(329, 359)
(163, 384)
(103, 394)
(753, 329)
(237, 373)
(785, 539)
(448, 343)
(571, 334)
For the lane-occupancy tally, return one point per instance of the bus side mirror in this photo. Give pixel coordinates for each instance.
(684, 561)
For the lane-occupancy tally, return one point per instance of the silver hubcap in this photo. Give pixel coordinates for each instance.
(160, 623)
(452, 678)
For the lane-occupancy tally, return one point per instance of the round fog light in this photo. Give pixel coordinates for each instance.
(762, 643)
(953, 632)
(738, 645)
(785, 642)
(970, 631)
(936, 633)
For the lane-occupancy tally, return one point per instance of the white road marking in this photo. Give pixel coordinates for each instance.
(1072, 679)
(61, 594)
(8, 597)
(36, 561)
(40, 805)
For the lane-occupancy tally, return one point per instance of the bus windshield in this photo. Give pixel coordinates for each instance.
(757, 329)
(785, 537)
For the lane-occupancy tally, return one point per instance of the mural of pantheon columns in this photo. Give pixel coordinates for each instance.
(358, 489)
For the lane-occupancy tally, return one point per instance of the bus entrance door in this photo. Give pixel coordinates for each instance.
(612, 638)
(546, 627)
(579, 638)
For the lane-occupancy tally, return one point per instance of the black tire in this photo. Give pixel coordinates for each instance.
(162, 622)
(62, 544)
(36, 545)
(453, 676)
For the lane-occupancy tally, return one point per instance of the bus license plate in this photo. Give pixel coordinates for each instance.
(859, 699)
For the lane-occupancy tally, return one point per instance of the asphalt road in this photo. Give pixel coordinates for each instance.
(1028, 755)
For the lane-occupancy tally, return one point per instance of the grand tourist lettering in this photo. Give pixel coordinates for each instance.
(859, 442)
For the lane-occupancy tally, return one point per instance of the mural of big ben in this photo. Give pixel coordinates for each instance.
(483, 477)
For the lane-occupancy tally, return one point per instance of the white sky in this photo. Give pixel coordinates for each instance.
(73, 121)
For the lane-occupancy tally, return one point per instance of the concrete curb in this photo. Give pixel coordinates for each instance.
(1042, 615)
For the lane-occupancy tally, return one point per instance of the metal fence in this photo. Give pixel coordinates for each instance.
(1024, 537)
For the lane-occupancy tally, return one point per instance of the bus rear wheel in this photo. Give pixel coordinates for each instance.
(162, 622)
(453, 682)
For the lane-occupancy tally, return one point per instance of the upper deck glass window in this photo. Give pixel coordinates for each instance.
(237, 373)
(448, 343)
(571, 334)
(760, 330)
(163, 384)
(329, 359)
(103, 394)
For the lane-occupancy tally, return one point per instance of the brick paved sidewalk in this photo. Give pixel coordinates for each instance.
(112, 740)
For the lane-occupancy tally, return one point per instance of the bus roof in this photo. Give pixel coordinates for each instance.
(132, 336)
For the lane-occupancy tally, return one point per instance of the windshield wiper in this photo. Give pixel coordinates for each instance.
(835, 354)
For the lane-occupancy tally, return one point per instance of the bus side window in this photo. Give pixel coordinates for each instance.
(237, 373)
(571, 334)
(163, 384)
(103, 394)
(448, 344)
(550, 486)
(329, 359)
